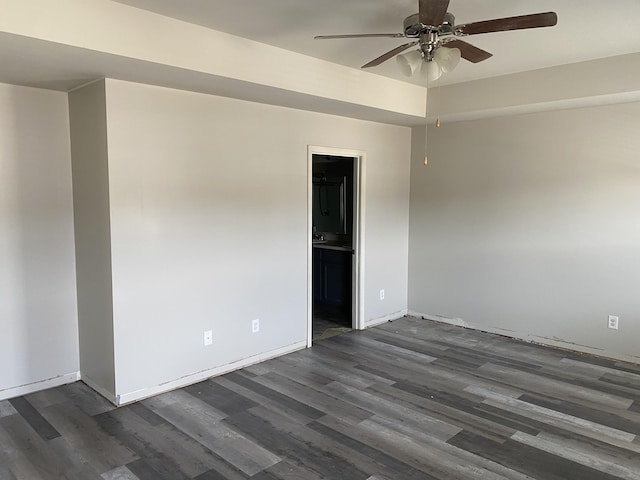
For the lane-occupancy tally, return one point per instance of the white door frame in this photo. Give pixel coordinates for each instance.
(357, 261)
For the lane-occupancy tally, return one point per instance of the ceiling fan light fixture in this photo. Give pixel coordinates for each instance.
(447, 58)
(431, 70)
(410, 62)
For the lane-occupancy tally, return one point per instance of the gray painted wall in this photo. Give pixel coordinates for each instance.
(38, 321)
(208, 205)
(529, 226)
(87, 112)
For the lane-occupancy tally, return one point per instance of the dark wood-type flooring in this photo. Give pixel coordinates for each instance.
(411, 399)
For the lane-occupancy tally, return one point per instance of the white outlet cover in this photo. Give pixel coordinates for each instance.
(613, 322)
(255, 325)
(382, 294)
(208, 338)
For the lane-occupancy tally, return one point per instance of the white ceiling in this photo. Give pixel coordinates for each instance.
(586, 30)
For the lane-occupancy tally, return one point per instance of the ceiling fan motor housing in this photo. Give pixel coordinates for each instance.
(429, 35)
(414, 29)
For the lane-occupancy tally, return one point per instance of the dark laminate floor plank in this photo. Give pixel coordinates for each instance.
(382, 406)
(528, 460)
(555, 388)
(287, 470)
(145, 413)
(315, 376)
(390, 350)
(324, 372)
(267, 402)
(16, 459)
(275, 395)
(32, 451)
(351, 452)
(33, 417)
(161, 445)
(496, 426)
(627, 422)
(456, 419)
(85, 398)
(354, 452)
(119, 473)
(341, 367)
(329, 405)
(75, 465)
(380, 462)
(584, 456)
(202, 423)
(401, 447)
(410, 399)
(223, 399)
(445, 453)
(553, 420)
(284, 444)
(144, 470)
(44, 398)
(5, 473)
(86, 437)
(364, 353)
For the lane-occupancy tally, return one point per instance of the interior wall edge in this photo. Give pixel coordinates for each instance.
(98, 388)
(91, 216)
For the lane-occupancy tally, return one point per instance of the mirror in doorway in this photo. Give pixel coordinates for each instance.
(329, 205)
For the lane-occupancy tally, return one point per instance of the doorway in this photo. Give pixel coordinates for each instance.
(335, 267)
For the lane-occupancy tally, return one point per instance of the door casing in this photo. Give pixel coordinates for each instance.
(357, 261)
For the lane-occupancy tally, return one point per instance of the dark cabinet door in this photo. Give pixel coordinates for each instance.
(336, 278)
(317, 282)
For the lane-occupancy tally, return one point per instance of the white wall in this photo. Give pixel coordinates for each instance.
(529, 226)
(208, 207)
(88, 119)
(38, 320)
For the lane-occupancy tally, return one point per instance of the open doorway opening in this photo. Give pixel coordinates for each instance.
(333, 214)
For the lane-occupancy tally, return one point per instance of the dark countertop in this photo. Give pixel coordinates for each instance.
(330, 245)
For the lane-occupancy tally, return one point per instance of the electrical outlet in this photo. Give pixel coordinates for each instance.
(255, 325)
(613, 322)
(382, 294)
(208, 338)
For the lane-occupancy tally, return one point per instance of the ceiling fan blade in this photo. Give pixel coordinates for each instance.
(360, 35)
(389, 54)
(536, 20)
(469, 52)
(432, 12)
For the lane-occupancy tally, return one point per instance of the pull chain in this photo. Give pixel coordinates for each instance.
(426, 123)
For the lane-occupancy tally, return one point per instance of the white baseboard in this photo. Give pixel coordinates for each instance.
(526, 337)
(387, 318)
(125, 398)
(27, 388)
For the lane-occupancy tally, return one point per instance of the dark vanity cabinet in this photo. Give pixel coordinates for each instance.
(332, 277)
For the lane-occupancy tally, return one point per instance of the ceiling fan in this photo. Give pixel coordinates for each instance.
(433, 27)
